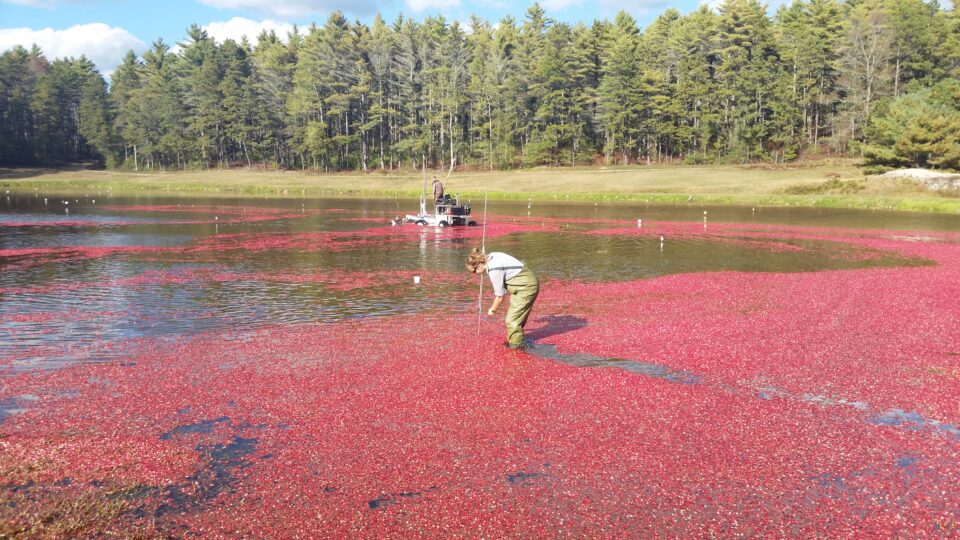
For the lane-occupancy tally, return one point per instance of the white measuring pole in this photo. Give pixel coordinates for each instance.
(483, 249)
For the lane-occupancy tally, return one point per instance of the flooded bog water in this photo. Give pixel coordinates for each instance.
(82, 273)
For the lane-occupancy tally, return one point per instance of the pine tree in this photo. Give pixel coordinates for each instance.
(553, 132)
(411, 134)
(157, 123)
(618, 94)
(508, 126)
(582, 69)
(55, 105)
(695, 96)
(339, 52)
(379, 46)
(307, 102)
(18, 77)
(482, 92)
(917, 32)
(949, 49)
(125, 80)
(274, 65)
(809, 35)
(200, 70)
(746, 56)
(242, 107)
(95, 117)
(660, 66)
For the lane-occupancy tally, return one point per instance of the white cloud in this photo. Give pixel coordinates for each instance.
(420, 5)
(644, 10)
(772, 5)
(643, 6)
(29, 3)
(295, 9)
(238, 27)
(558, 5)
(104, 45)
(490, 4)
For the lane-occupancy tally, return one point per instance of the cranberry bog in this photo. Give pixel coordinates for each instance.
(188, 368)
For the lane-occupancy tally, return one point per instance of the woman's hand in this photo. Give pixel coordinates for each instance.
(494, 306)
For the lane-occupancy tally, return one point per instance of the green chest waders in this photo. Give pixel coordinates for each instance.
(523, 289)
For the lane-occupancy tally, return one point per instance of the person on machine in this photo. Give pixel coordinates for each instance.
(437, 191)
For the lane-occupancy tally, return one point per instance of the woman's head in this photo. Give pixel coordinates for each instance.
(476, 261)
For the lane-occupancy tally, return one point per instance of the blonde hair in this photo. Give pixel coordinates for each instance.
(475, 259)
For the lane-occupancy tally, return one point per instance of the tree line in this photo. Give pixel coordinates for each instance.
(731, 85)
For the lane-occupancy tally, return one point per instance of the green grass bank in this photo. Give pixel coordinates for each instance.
(837, 184)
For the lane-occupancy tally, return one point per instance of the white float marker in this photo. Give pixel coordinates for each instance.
(416, 280)
(639, 223)
(704, 219)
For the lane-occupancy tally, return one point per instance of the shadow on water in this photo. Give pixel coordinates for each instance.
(208, 483)
(913, 421)
(218, 476)
(383, 501)
(633, 366)
(206, 426)
(522, 478)
(557, 324)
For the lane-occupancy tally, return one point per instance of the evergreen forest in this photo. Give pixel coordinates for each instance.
(871, 78)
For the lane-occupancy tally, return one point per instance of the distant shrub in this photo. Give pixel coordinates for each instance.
(876, 169)
(696, 159)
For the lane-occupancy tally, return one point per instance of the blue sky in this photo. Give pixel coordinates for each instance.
(104, 30)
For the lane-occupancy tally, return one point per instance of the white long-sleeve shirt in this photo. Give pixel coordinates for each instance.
(500, 268)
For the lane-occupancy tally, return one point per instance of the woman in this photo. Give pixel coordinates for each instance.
(508, 274)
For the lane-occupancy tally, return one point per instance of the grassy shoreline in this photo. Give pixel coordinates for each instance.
(837, 184)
